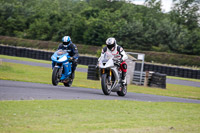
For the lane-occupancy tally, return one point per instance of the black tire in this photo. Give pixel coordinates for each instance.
(104, 86)
(55, 79)
(92, 71)
(68, 84)
(123, 91)
(92, 77)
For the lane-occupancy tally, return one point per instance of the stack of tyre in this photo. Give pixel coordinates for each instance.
(170, 70)
(158, 80)
(84, 60)
(25, 52)
(93, 73)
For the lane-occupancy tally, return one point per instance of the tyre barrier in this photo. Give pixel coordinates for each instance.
(170, 71)
(39, 54)
(25, 52)
(84, 60)
(93, 73)
(158, 80)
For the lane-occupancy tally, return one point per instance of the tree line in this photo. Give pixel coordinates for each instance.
(91, 22)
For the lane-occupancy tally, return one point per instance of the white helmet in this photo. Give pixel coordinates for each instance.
(111, 43)
(66, 41)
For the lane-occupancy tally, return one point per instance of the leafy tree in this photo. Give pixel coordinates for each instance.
(39, 30)
(93, 21)
(96, 32)
(187, 13)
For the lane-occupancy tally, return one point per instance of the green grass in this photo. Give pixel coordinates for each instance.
(80, 66)
(95, 116)
(98, 116)
(20, 72)
(24, 59)
(171, 90)
(179, 78)
(33, 60)
(27, 73)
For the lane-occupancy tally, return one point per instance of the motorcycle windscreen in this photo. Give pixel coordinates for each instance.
(106, 60)
(61, 52)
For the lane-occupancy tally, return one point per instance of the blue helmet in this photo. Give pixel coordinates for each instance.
(66, 40)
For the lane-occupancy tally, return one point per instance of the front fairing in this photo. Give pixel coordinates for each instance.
(107, 64)
(67, 70)
(106, 61)
(60, 59)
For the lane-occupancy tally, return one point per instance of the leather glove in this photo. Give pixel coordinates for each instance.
(120, 60)
(97, 65)
(71, 58)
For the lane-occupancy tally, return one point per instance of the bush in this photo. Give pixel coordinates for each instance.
(48, 45)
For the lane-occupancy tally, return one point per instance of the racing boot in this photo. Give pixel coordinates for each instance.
(74, 65)
(71, 79)
(72, 75)
(124, 78)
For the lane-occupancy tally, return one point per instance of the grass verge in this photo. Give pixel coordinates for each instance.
(187, 79)
(171, 90)
(80, 66)
(26, 73)
(98, 116)
(33, 60)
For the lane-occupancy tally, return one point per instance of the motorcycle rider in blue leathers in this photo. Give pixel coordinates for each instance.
(73, 52)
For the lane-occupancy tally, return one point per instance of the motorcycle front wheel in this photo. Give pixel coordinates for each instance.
(106, 88)
(55, 78)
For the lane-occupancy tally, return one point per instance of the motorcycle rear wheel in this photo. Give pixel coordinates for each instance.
(123, 91)
(69, 83)
(104, 84)
(55, 79)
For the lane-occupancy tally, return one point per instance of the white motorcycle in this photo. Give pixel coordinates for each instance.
(111, 74)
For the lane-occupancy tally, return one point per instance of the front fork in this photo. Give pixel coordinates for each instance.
(109, 75)
(60, 70)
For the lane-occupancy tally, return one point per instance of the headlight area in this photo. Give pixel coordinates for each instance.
(64, 58)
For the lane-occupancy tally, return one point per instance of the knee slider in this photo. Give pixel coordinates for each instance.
(124, 66)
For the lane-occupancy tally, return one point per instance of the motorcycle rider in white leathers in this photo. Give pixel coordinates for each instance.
(118, 53)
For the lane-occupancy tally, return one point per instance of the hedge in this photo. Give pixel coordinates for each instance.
(48, 45)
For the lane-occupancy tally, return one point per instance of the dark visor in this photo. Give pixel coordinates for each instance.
(110, 46)
(66, 43)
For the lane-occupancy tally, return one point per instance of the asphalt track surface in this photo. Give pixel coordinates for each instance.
(15, 90)
(169, 81)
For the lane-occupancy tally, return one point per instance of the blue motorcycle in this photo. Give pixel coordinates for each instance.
(62, 68)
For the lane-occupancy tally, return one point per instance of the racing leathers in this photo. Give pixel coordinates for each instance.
(119, 55)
